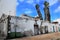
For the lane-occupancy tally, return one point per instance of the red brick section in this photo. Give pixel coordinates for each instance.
(42, 37)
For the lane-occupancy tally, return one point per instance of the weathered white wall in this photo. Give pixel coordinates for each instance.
(3, 27)
(22, 24)
(8, 7)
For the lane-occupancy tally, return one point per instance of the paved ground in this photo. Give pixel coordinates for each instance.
(51, 36)
(2, 38)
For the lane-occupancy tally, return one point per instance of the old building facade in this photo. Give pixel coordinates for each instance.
(27, 25)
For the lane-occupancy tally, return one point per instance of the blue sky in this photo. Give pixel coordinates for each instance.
(28, 7)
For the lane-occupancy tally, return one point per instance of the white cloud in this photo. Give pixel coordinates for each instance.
(26, 9)
(57, 20)
(28, 12)
(52, 2)
(30, 1)
(17, 3)
(21, 0)
(57, 10)
(36, 16)
(33, 2)
(37, 1)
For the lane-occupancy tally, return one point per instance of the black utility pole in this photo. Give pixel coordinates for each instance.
(9, 27)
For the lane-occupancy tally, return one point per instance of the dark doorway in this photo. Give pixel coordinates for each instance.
(36, 29)
(46, 29)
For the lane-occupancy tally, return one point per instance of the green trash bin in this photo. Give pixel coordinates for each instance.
(19, 34)
(12, 35)
(15, 34)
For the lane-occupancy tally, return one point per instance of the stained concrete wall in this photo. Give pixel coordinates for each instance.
(3, 27)
(23, 25)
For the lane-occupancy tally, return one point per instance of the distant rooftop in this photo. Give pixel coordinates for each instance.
(55, 22)
(26, 15)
